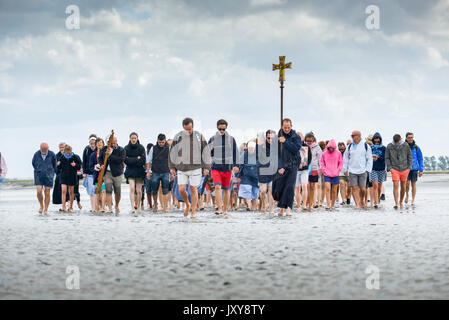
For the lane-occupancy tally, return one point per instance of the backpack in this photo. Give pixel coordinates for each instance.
(198, 137)
(349, 149)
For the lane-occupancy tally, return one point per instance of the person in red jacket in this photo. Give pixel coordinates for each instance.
(331, 164)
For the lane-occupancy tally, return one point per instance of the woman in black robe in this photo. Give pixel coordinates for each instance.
(57, 193)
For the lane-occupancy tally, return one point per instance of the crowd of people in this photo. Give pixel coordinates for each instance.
(190, 172)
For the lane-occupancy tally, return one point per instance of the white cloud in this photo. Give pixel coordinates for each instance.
(257, 3)
(436, 59)
(111, 21)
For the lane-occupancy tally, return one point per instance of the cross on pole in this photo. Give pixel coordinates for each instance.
(281, 67)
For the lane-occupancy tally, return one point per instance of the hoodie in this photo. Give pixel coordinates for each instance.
(378, 150)
(331, 161)
(316, 156)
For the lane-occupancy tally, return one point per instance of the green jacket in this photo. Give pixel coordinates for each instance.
(398, 157)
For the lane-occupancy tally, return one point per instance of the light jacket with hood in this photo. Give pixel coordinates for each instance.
(358, 158)
(331, 161)
(378, 150)
(316, 156)
(398, 157)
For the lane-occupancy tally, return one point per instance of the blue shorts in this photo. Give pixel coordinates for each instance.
(247, 191)
(378, 175)
(42, 180)
(89, 185)
(147, 183)
(1, 181)
(157, 179)
(332, 180)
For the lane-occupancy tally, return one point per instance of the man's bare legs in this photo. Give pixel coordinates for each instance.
(117, 202)
(185, 197)
(40, 198)
(194, 197)
(403, 183)
(362, 196)
(226, 198)
(377, 190)
(47, 199)
(356, 194)
(413, 183)
(263, 197)
(218, 198)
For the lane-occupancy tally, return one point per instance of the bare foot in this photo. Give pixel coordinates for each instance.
(186, 210)
(117, 210)
(80, 206)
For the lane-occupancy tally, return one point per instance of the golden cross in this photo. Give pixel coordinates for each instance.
(282, 66)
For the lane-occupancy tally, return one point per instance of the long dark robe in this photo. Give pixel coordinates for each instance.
(57, 192)
(289, 159)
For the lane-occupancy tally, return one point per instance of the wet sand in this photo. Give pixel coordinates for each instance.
(248, 255)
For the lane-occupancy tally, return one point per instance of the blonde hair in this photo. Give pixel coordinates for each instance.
(67, 148)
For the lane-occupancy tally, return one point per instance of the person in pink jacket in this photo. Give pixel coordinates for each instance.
(331, 165)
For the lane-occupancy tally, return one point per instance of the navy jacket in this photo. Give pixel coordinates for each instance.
(46, 168)
(248, 170)
(379, 150)
(290, 150)
(226, 161)
(86, 157)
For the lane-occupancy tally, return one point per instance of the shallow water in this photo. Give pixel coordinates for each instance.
(318, 255)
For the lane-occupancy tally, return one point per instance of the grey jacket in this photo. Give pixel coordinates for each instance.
(316, 156)
(189, 152)
(398, 157)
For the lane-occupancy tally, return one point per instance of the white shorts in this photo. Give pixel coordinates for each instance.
(302, 177)
(192, 176)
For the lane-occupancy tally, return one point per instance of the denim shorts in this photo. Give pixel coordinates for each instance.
(332, 180)
(158, 179)
(147, 183)
(247, 191)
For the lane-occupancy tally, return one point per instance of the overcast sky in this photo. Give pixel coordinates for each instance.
(145, 65)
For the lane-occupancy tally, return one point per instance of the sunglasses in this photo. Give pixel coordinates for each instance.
(221, 129)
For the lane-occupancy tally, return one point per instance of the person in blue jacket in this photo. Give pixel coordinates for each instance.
(288, 164)
(378, 174)
(418, 167)
(44, 164)
(249, 177)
